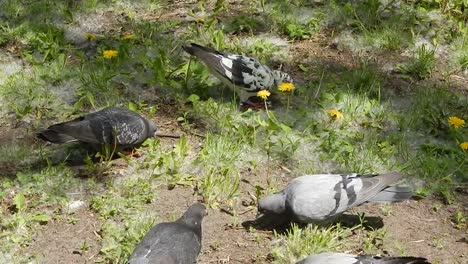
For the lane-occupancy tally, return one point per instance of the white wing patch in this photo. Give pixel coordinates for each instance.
(227, 65)
(227, 62)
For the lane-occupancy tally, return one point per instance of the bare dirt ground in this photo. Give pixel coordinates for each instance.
(414, 226)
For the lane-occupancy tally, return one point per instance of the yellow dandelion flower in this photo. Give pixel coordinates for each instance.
(263, 94)
(456, 122)
(109, 54)
(335, 113)
(464, 145)
(286, 87)
(90, 36)
(128, 37)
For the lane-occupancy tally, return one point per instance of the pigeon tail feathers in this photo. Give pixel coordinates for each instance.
(391, 260)
(196, 49)
(54, 137)
(392, 194)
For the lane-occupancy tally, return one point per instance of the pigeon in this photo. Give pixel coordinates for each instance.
(245, 75)
(109, 126)
(176, 242)
(319, 198)
(342, 258)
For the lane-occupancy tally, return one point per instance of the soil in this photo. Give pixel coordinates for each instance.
(414, 226)
(61, 241)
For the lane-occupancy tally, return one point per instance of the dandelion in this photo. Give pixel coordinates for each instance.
(109, 54)
(464, 145)
(286, 87)
(90, 36)
(128, 37)
(335, 113)
(456, 122)
(263, 94)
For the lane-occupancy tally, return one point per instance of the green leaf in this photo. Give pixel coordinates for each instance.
(41, 218)
(193, 98)
(19, 201)
(132, 106)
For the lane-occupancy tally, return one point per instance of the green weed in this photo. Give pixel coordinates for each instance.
(121, 199)
(219, 185)
(298, 243)
(119, 239)
(422, 65)
(29, 193)
(166, 164)
(460, 219)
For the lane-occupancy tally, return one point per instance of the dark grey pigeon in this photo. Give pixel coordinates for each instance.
(245, 75)
(342, 258)
(176, 242)
(109, 126)
(316, 198)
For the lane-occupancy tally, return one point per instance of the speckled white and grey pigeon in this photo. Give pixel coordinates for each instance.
(244, 74)
(109, 126)
(317, 198)
(342, 258)
(176, 242)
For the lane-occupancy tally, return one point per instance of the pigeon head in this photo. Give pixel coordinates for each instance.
(273, 203)
(282, 77)
(151, 128)
(194, 215)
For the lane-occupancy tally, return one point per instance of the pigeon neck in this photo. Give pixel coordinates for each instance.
(193, 223)
(274, 203)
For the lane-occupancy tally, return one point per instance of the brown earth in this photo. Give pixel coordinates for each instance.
(414, 226)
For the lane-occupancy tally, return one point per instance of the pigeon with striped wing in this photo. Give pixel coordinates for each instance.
(245, 75)
(342, 258)
(317, 198)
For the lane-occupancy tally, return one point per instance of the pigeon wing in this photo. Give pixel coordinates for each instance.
(342, 258)
(80, 129)
(107, 126)
(248, 73)
(316, 197)
(319, 197)
(242, 71)
(371, 186)
(128, 128)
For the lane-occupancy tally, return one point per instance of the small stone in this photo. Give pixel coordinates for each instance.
(74, 206)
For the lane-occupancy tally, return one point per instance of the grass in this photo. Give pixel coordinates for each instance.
(382, 128)
(123, 201)
(298, 242)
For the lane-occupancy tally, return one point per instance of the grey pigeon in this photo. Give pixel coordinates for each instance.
(109, 126)
(342, 258)
(245, 75)
(176, 242)
(316, 198)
